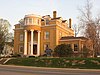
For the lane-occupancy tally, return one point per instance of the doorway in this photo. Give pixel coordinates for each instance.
(35, 49)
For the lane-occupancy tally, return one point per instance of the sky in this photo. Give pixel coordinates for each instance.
(14, 10)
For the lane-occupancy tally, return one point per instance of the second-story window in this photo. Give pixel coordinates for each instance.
(47, 22)
(47, 34)
(21, 37)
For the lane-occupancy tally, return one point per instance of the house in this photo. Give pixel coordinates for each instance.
(34, 33)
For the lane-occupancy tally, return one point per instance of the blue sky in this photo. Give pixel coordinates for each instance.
(14, 10)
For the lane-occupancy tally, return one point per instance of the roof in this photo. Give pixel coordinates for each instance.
(33, 15)
(72, 37)
(64, 21)
(55, 18)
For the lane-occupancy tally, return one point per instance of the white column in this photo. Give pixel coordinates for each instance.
(38, 48)
(32, 42)
(25, 42)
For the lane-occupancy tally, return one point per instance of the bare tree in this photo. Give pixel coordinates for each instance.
(90, 26)
(4, 32)
(76, 29)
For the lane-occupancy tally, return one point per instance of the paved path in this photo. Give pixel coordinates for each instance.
(21, 70)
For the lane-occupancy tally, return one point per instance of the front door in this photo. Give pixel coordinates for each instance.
(34, 49)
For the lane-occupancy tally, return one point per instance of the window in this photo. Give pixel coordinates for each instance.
(30, 20)
(26, 21)
(47, 22)
(75, 47)
(21, 37)
(46, 35)
(21, 49)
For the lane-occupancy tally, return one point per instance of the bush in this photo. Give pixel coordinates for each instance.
(63, 50)
(16, 55)
(83, 63)
(85, 52)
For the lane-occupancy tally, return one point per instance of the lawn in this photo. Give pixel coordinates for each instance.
(82, 63)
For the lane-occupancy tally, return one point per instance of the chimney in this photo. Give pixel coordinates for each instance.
(54, 14)
(70, 23)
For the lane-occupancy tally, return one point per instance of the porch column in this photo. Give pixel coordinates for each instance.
(38, 48)
(32, 42)
(25, 42)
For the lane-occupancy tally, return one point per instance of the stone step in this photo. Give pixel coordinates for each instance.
(2, 60)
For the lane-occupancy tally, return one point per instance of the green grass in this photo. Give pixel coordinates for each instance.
(83, 63)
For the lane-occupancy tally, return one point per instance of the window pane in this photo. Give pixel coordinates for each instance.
(75, 47)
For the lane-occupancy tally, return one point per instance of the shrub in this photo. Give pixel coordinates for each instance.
(63, 50)
(16, 55)
(85, 51)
